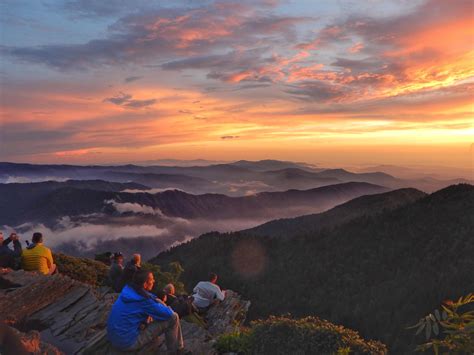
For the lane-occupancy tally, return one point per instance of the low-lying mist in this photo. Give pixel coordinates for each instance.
(129, 233)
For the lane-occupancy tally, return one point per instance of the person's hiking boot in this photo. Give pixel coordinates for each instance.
(184, 352)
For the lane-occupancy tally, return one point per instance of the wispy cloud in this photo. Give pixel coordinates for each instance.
(124, 207)
(163, 33)
(132, 79)
(126, 100)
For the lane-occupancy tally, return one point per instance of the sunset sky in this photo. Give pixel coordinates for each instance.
(327, 82)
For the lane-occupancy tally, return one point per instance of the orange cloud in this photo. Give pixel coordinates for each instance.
(75, 153)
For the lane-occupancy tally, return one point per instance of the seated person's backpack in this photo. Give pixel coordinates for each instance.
(183, 305)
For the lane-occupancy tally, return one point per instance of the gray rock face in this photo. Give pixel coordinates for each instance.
(72, 316)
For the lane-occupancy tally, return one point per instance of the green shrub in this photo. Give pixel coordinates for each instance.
(82, 269)
(163, 278)
(96, 273)
(450, 330)
(285, 335)
(236, 342)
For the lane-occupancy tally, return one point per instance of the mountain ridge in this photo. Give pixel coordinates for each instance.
(176, 203)
(357, 207)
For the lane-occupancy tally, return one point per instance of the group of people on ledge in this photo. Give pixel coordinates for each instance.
(35, 257)
(139, 317)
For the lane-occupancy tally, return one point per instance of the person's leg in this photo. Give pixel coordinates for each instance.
(172, 330)
(150, 334)
(173, 334)
(53, 270)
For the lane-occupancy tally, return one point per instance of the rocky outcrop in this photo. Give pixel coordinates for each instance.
(72, 315)
(14, 342)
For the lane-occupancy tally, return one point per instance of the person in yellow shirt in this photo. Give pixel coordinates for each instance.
(36, 257)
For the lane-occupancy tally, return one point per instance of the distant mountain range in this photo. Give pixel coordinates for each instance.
(179, 162)
(420, 172)
(266, 165)
(233, 179)
(376, 263)
(46, 202)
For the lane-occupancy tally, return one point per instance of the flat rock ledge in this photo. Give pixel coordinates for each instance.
(70, 316)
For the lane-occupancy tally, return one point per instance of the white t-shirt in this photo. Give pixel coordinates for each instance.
(205, 293)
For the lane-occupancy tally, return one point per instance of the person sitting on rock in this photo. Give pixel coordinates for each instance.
(162, 296)
(207, 293)
(131, 268)
(8, 257)
(37, 257)
(136, 306)
(170, 292)
(180, 304)
(116, 272)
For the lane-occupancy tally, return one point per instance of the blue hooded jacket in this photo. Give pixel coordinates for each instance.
(128, 312)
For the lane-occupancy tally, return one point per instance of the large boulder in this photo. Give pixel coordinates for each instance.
(72, 315)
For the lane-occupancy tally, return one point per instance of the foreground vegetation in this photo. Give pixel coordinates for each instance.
(285, 335)
(85, 270)
(451, 329)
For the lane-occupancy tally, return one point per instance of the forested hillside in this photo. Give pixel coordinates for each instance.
(364, 205)
(377, 273)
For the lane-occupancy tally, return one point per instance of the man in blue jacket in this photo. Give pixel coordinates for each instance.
(138, 318)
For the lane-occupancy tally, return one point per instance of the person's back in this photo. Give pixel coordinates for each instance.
(116, 272)
(207, 292)
(180, 304)
(37, 257)
(131, 268)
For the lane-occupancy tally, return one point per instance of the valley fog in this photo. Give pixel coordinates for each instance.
(87, 236)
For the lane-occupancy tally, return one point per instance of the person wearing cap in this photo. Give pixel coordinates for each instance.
(37, 257)
(116, 272)
(7, 255)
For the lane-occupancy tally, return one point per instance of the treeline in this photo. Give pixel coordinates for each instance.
(377, 274)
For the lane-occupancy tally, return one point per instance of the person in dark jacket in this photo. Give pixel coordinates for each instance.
(181, 304)
(116, 272)
(8, 257)
(137, 308)
(131, 268)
